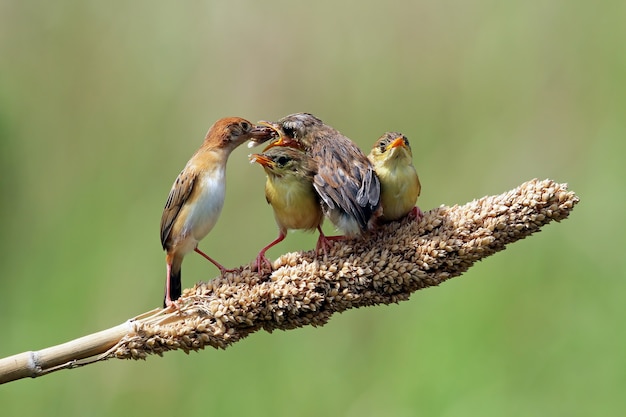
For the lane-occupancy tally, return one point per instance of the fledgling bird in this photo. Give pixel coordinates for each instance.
(345, 181)
(289, 189)
(197, 197)
(399, 184)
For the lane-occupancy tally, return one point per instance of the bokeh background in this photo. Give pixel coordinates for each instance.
(102, 103)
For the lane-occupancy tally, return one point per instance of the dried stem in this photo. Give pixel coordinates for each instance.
(383, 268)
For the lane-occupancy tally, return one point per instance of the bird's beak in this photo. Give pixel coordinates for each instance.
(283, 141)
(275, 131)
(262, 132)
(261, 159)
(396, 143)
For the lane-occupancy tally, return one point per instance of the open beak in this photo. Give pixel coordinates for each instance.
(284, 141)
(261, 160)
(396, 143)
(262, 132)
(271, 130)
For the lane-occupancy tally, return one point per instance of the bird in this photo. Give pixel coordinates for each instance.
(345, 180)
(289, 190)
(400, 186)
(197, 197)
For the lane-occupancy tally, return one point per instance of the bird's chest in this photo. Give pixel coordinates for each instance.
(399, 190)
(396, 181)
(208, 202)
(295, 205)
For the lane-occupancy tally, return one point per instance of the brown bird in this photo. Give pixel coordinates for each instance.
(197, 197)
(289, 189)
(399, 184)
(345, 180)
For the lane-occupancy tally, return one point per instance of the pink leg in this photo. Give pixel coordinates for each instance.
(168, 296)
(222, 269)
(324, 242)
(262, 259)
(416, 214)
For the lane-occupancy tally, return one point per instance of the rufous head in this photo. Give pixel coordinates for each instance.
(230, 132)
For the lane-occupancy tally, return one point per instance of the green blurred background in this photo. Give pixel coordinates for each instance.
(102, 103)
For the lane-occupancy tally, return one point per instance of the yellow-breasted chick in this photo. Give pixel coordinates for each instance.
(289, 189)
(399, 184)
(197, 197)
(345, 181)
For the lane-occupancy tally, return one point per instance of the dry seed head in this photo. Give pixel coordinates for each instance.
(385, 267)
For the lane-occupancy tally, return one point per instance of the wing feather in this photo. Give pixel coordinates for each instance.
(347, 180)
(179, 194)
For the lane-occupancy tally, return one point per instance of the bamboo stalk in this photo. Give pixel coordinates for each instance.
(304, 289)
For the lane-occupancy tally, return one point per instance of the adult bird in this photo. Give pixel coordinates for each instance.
(399, 184)
(345, 181)
(289, 190)
(197, 197)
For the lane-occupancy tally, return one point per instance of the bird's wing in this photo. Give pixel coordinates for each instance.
(345, 179)
(180, 192)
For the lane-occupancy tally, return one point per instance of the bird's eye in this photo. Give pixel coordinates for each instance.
(382, 147)
(289, 131)
(282, 161)
(293, 128)
(406, 141)
(245, 126)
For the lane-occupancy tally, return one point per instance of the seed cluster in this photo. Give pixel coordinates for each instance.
(385, 267)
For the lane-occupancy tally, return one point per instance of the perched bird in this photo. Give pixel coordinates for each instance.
(197, 196)
(289, 189)
(345, 181)
(399, 184)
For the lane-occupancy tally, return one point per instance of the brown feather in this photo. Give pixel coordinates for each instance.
(179, 194)
(345, 179)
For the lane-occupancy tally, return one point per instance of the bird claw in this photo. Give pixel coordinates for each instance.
(260, 261)
(224, 271)
(325, 243)
(416, 214)
(173, 305)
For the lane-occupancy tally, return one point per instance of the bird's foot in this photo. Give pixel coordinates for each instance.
(326, 242)
(224, 271)
(169, 304)
(416, 214)
(262, 261)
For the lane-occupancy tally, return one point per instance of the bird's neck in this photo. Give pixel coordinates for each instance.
(211, 159)
(397, 158)
(215, 146)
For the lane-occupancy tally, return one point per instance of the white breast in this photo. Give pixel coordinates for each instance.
(204, 214)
